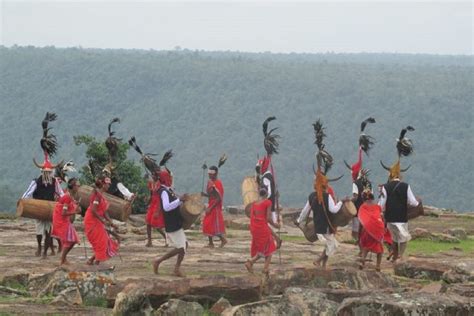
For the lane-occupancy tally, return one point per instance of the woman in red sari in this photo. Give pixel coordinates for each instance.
(213, 222)
(263, 243)
(63, 229)
(372, 228)
(154, 216)
(103, 245)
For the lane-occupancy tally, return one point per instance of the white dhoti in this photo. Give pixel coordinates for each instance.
(399, 231)
(331, 243)
(355, 224)
(177, 239)
(43, 227)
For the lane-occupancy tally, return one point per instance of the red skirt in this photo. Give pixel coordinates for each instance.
(104, 247)
(263, 243)
(154, 216)
(213, 223)
(369, 243)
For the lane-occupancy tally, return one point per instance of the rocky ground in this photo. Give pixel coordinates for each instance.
(216, 282)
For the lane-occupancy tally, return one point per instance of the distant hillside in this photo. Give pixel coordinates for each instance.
(202, 104)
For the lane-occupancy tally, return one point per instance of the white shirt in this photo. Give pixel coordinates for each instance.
(165, 199)
(125, 192)
(32, 188)
(267, 184)
(411, 200)
(355, 189)
(333, 208)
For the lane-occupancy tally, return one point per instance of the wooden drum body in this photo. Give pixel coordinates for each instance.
(191, 209)
(249, 193)
(414, 212)
(36, 209)
(309, 231)
(347, 212)
(119, 209)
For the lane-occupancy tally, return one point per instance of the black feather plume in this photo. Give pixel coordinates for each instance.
(112, 143)
(166, 157)
(364, 123)
(148, 161)
(114, 120)
(133, 143)
(222, 161)
(48, 142)
(319, 134)
(265, 124)
(323, 158)
(404, 144)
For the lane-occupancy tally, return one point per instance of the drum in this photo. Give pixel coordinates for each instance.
(249, 191)
(247, 209)
(414, 212)
(309, 231)
(191, 209)
(36, 209)
(119, 209)
(344, 216)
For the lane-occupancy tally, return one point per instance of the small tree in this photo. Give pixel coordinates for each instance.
(127, 171)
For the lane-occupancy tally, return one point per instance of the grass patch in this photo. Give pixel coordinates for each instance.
(293, 238)
(97, 302)
(420, 246)
(16, 285)
(7, 215)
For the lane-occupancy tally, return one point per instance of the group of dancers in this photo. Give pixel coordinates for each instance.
(375, 223)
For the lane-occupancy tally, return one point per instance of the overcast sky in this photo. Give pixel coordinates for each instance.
(278, 26)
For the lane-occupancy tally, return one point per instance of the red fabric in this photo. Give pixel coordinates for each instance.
(63, 229)
(104, 247)
(213, 222)
(330, 191)
(264, 164)
(165, 178)
(370, 217)
(357, 166)
(262, 240)
(155, 216)
(387, 237)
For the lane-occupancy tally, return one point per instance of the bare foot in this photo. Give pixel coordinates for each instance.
(266, 272)
(177, 272)
(209, 246)
(317, 262)
(361, 266)
(90, 262)
(43, 256)
(149, 244)
(249, 266)
(377, 269)
(166, 245)
(65, 263)
(223, 242)
(156, 265)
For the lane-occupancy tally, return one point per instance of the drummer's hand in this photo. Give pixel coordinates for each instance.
(184, 197)
(295, 221)
(346, 199)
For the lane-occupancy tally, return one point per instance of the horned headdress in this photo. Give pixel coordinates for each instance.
(404, 148)
(147, 158)
(270, 143)
(112, 144)
(366, 143)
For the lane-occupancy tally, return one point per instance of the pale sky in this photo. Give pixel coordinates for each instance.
(444, 27)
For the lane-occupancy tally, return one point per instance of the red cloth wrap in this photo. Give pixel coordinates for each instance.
(373, 229)
(213, 222)
(63, 229)
(263, 243)
(154, 215)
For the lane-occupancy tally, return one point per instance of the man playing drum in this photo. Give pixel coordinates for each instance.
(170, 204)
(395, 198)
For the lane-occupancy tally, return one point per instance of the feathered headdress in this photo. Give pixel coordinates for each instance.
(112, 143)
(63, 168)
(270, 141)
(49, 146)
(366, 143)
(166, 177)
(221, 162)
(324, 162)
(147, 159)
(404, 148)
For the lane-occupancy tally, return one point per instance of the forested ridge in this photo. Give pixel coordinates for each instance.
(202, 104)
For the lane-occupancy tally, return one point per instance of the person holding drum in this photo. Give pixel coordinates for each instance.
(63, 229)
(95, 222)
(170, 204)
(213, 221)
(396, 197)
(263, 243)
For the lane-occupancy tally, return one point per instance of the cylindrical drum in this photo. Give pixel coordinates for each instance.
(309, 231)
(415, 211)
(344, 216)
(247, 209)
(249, 190)
(191, 209)
(36, 209)
(119, 209)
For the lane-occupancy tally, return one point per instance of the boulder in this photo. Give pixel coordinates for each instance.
(457, 232)
(68, 297)
(462, 272)
(15, 280)
(305, 301)
(240, 223)
(349, 278)
(265, 307)
(91, 284)
(221, 305)
(235, 210)
(132, 301)
(210, 289)
(138, 230)
(408, 303)
(462, 289)
(439, 237)
(420, 269)
(177, 307)
(420, 233)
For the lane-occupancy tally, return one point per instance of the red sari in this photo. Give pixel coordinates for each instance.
(154, 215)
(63, 229)
(372, 228)
(263, 243)
(213, 222)
(104, 247)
